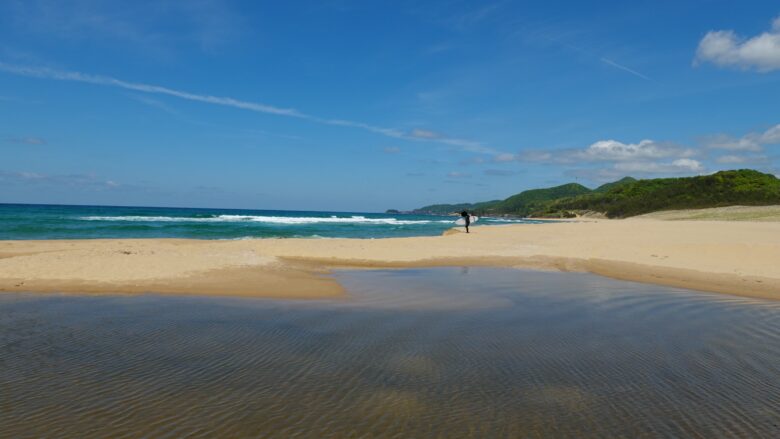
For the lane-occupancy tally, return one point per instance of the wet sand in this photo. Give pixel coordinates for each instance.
(718, 256)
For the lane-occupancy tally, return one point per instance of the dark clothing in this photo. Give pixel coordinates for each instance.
(467, 219)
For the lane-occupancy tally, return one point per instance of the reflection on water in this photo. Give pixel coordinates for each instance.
(413, 353)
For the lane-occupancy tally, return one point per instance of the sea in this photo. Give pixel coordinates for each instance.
(39, 221)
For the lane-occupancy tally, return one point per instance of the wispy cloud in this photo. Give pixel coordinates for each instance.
(679, 166)
(456, 174)
(146, 25)
(81, 181)
(734, 159)
(27, 140)
(592, 54)
(458, 18)
(59, 75)
(415, 134)
(499, 172)
(424, 134)
(17, 100)
(504, 157)
(726, 49)
(391, 150)
(753, 142)
(154, 103)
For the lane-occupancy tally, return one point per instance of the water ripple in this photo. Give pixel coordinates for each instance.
(413, 353)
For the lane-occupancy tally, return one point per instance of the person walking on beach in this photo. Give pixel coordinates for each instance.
(467, 219)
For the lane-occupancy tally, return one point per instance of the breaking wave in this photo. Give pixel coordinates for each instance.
(355, 219)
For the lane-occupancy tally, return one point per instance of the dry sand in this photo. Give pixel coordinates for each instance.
(730, 213)
(730, 257)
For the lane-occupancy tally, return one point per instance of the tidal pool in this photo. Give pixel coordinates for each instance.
(445, 352)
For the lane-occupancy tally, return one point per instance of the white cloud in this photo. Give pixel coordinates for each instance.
(392, 150)
(613, 150)
(619, 159)
(726, 49)
(679, 166)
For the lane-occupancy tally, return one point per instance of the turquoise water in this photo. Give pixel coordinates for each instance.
(26, 221)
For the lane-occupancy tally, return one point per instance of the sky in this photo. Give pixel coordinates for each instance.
(361, 105)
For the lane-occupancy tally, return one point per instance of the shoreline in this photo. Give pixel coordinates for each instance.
(715, 256)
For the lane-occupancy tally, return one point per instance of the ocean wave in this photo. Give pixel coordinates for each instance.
(355, 219)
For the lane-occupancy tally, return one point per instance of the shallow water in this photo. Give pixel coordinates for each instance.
(412, 353)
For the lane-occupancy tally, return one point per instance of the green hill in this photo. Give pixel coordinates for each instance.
(532, 200)
(623, 181)
(725, 188)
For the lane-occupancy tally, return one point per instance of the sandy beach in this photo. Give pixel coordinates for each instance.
(717, 256)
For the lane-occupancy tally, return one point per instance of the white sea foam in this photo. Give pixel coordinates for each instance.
(356, 219)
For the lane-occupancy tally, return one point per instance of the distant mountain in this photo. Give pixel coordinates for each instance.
(447, 209)
(629, 196)
(725, 188)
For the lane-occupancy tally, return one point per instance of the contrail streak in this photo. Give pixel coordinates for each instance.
(59, 75)
(624, 68)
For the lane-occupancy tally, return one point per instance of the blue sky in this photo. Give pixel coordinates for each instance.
(368, 105)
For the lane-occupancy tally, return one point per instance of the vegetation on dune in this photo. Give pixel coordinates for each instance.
(628, 196)
(725, 188)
